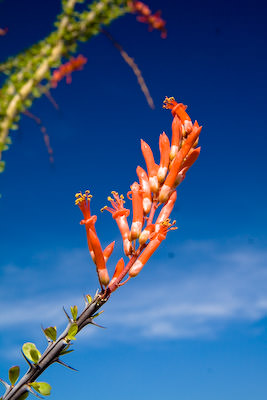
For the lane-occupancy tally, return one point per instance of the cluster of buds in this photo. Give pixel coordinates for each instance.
(156, 190)
(145, 15)
(3, 31)
(65, 70)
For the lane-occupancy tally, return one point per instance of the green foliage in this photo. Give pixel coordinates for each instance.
(66, 352)
(51, 333)
(72, 332)
(97, 314)
(29, 73)
(13, 374)
(74, 312)
(2, 164)
(24, 396)
(31, 352)
(88, 298)
(41, 387)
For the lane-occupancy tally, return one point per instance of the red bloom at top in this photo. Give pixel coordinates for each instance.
(177, 109)
(65, 70)
(145, 15)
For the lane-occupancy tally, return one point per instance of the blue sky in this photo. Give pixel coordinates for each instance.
(193, 324)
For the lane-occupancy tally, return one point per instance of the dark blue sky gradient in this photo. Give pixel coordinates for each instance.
(214, 60)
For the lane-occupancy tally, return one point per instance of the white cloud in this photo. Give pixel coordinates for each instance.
(212, 287)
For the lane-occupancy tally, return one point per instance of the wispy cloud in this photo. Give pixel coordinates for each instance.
(198, 294)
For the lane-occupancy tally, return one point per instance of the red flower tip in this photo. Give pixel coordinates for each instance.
(83, 202)
(65, 70)
(3, 31)
(145, 15)
(118, 270)
(120, 214)
(117, 203)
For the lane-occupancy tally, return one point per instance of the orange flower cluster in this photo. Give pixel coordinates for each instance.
(65, 70)
(156, 189)
(145, 15)
(3, 31)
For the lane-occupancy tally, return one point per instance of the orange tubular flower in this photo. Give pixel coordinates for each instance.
(83, 202)
(146, 192)
(151, 248)
(138, 212)
(152, 167)
(176, 136)
(146, 233)
(189, 161)
(164, 147)
(99, 258)
(120, 214)
(118, 270)
(169, 183)
(177, 109)
(144, 15)
(166, 211)
(191, 158)
(108, 251)
(3, 31)
(65, 70)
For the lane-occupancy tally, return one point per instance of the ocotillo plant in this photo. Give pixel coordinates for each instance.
(33, 72)
(152, 199)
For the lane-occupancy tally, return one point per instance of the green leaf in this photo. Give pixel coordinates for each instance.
(51, 333)
(65, 352)
(41, 387)
(89, 298)
(2, 166)
(24, 396)
(74, 312)
(72, 331)
(31, 352)
(97, 314)
(13, 374)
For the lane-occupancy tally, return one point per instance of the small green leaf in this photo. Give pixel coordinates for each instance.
(72, 331)
(13, 374)
(89, 298)
(97, 314)
(74, 312)
(24, 396)
(31, 352)
(35, 355)
(2, 166)
(41, 387)
(65, 352)
(51, 333)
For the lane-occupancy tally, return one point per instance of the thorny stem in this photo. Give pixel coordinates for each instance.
(115, 284)
(130, 61)
(48, 55)
(53, 351)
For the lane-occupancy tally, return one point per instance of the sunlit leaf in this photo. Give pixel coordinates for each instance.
(72, 331)
(13, 374)
(97, 314)
(89, 298)
(65, 352)
(31, 352)
(41, 387)
(51, 333)
(24, 396)
(74, 312)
